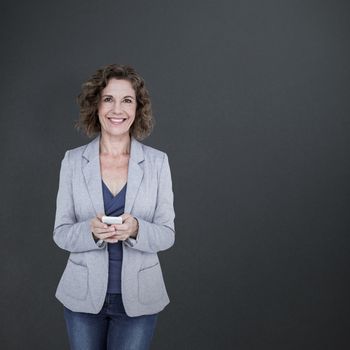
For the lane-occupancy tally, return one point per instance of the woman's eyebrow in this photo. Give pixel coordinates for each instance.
(107, 95)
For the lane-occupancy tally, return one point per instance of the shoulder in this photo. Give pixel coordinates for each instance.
(77, 152)
(156, 162)
(152, 152)
(88, 150)
(154, 156)
(73, 155)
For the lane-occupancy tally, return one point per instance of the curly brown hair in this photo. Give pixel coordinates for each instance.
(90, 95)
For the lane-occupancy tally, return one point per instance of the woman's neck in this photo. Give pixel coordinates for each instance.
(115, 145)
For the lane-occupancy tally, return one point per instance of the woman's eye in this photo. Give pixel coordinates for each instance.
(107, 99)
(128, 100)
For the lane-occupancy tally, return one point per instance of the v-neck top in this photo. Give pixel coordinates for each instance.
(114, 206)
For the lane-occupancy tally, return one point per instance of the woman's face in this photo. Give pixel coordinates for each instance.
(117, 107)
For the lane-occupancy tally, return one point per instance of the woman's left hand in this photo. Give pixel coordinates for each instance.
(129, 228)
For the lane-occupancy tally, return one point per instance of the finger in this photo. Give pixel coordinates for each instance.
(100, 228)
(120, 234)
(103, 230)
(104, 235)
(97, 224)
(111, 240)
(121, 227)
(99, 216)
(123, 238)
(104, 226)
(125, 216)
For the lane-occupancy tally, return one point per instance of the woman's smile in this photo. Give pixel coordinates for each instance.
(116, 121)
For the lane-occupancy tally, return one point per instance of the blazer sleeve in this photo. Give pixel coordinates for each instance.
(160, 233)
(69, 234)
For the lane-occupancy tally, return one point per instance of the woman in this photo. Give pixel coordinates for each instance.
(112, 288)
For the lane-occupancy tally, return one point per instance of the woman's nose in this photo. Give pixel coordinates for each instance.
(117, 108)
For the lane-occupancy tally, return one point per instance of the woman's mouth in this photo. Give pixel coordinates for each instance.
(116, 121)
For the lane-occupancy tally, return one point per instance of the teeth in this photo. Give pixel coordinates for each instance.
(117, 120)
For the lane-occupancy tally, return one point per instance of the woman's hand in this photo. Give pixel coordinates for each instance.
(101, 230)
(129, 228)
(116, 232)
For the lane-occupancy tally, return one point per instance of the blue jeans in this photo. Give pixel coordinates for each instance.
(110, 329)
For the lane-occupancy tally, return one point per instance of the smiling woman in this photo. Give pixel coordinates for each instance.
(117, 107)
(112, 287)
(95, 94)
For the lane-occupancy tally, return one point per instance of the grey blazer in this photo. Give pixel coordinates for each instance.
(149, 198)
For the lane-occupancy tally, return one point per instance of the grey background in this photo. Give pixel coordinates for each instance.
(252, 106)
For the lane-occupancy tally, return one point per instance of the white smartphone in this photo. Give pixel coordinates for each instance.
(110, 220)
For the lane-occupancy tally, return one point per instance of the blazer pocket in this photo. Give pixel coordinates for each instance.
(151, 284)
(74, 280)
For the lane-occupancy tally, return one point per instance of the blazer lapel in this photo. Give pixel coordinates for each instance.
(92, 174)
(135, 174)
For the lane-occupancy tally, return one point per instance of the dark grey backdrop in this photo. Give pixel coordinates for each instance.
(252, 106)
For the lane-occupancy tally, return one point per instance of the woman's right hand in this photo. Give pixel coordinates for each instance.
(102, 231)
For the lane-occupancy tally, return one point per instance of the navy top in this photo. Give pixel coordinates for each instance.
(114, 206)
